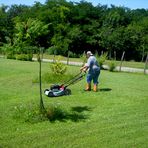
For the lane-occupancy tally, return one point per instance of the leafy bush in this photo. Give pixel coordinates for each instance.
(23, 53)
(24, 57)
(52, 50)
(29, 49)
(57, 74)
(11, 55)
(7, 48)
(112, 66)
(83, 57)
(9, 51)
(58, 68)
(52, 78)
(1, 50)
(73, 55)
(101, 59)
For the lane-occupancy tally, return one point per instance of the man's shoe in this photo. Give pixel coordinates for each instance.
(95, 88)
(88, 87)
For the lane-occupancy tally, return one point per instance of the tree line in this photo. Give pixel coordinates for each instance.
(62, 27)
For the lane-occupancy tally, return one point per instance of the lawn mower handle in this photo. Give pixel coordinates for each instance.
(75, 79)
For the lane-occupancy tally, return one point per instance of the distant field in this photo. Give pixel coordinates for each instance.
(114, 117)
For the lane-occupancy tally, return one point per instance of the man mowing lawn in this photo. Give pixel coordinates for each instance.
(93, 71)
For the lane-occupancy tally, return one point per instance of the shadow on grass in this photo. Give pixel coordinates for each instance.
(76, 114)
(105, 89)
(30, 113)
(80, 109)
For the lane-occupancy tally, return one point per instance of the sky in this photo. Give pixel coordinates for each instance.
(132, 4)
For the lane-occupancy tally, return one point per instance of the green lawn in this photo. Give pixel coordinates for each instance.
(117, 116)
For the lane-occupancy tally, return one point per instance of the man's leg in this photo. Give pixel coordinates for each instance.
(88, 85)
(95, 81)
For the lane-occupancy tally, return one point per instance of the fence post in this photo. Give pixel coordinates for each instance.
(115, 55)
(146, 62)
(143, 53)
(122, 60)
(68, 58)
(102, 52)
(54, 57)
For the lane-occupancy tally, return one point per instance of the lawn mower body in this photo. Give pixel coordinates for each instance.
(60, 90)
(57, 90)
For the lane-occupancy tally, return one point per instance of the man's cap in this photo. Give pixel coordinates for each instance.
(89, 53)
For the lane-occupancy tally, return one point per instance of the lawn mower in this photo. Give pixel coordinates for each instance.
(57, 90)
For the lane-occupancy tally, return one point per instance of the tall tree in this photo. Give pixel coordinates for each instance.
(31, 33)
(3, 24)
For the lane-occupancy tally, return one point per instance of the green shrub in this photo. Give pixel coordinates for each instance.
(11, 55)
(83, 57)
(55, 51)
(54, 79)
(73, 55)
(1, 50)
(9, 51)
(19, 53)
(112, 66)
(29, 49)
(102, 59)
(58, 68)
(24, 57)
(52, 50)
(30, 56)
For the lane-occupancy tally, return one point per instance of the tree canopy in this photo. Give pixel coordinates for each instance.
(76, 27)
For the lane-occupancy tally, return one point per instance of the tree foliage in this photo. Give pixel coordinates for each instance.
(76, 27)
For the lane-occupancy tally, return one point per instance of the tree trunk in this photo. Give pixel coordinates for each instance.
(42, 108)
